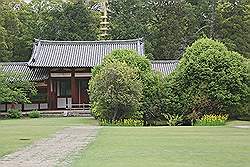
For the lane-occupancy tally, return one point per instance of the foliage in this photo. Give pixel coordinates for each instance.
(130, 57)
(173, 120)
(14, 113)
(154, 97)
(73, 22)
(125, 122)
(172, 21)
(212, 120)
(116, 92)
(234, 15)
(225, 20)
(180, 23)
(209, 79)
(156, 21)
(34, 114)
(43, 19)
(13, 89)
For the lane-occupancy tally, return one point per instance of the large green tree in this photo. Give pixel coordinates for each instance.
(209, 79)
(233, 22)
(73, 21)
(172, 27)
(225, 20)
(165, 25)
(21, 22)
(115, 92)
(10, 29)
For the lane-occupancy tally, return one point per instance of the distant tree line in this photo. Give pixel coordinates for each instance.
(168, 26)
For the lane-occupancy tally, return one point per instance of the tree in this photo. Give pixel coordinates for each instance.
(115, 92)
(21, 22)
(233, 19)
(224, 20)
(153, 89)
(128, 19)
(10, 29)
(157, 21)
(73, 21)
(209, 79)
(13, 89)
(172, 28)
(154, 97)
(140, 64)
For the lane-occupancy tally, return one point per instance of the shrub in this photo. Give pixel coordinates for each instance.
(14, 113)
(138, 62)
(125, 122)
(208, 80)
(212, 120)
(131, 58)
(34, 114)
(115, 92)
(152, 101)
(154, 97)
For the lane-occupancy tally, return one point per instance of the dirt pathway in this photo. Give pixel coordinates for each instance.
(54, 151)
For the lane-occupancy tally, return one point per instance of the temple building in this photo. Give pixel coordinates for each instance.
(62, 70)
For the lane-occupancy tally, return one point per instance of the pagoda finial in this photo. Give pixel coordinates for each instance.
(104, 19)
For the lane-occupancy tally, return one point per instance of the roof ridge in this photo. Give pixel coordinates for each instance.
(14, 63)
(86, 42)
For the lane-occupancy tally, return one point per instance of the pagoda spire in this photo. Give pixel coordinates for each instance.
(104, 24)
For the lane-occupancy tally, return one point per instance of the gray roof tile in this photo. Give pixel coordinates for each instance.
(164, 66)
(78, 53)
(31, 74)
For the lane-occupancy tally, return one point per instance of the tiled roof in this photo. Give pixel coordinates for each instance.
(165, 66)
(78, 53)
(31, 74)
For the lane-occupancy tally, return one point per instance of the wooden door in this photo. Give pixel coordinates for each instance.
(53, 95)
(83, 91)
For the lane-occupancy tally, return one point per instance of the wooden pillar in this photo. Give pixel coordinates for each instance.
(49, 97)
(73, 87)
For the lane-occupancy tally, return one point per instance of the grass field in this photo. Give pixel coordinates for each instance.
(15, 134)
(169, 146)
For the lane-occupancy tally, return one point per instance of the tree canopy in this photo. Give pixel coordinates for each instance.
(167, 26)
(209, 79)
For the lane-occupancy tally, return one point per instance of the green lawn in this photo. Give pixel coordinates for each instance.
(169, 146)
(13, 131)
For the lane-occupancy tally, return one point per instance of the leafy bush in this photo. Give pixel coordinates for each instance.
(138, 62)
(131, 58)
(154, 97)
(34, 114)
(115, 92)
(212, 120)
(14, 89)
(153, 94)
(125, 122)
(208, 80)
(14, 113)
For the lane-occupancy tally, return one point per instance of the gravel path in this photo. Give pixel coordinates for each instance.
(54, 151)
(243, 126)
